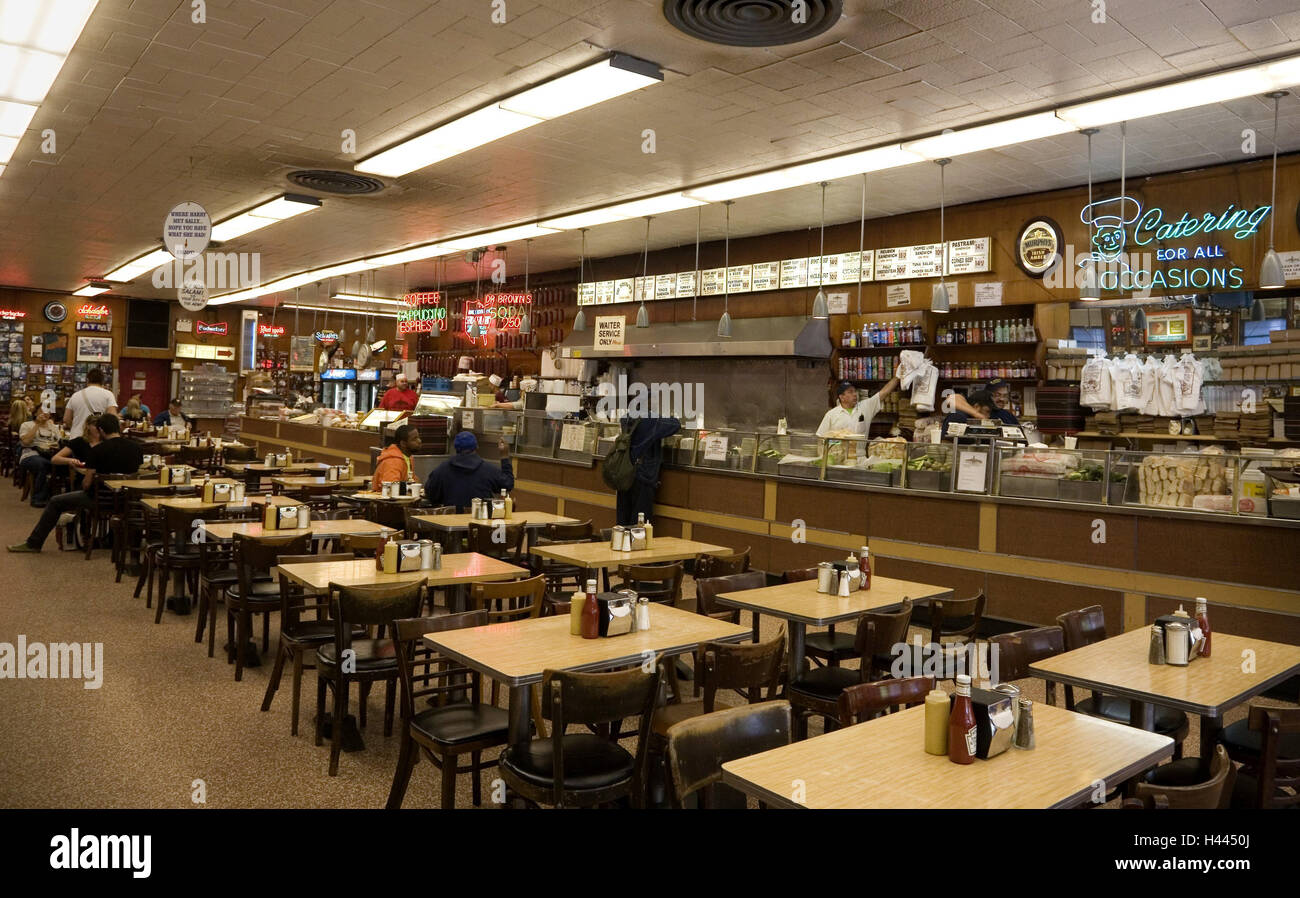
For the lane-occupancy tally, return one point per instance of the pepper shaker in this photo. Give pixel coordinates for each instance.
(1156, 654)
(1024, 735)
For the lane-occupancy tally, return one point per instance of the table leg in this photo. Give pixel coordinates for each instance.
(1142, 714)
(798, 662)
(755, 626)
(520, 712)
(1211, 727)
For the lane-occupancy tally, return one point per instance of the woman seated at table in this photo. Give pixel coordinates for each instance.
(135, 411)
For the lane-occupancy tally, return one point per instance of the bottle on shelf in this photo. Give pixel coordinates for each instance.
(989, 335)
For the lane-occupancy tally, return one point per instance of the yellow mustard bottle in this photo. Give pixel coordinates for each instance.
(268, 517)
(390, 557)
(575, 613)
(936, 722)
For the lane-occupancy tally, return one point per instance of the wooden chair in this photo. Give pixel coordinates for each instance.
(799, 574)
(558, 573)
(131, 534)
(298, 633)
(825, 647)
(198, 457)
(863, 701)
(319, 498)
(236, 454)
(375, 659)
(709, 588)
(722, 565)
(216, 573)
(956, 619)
(389, 514)
(459, 722)
(746, 668)
(1273, 767)
(1017, 651)
(254, 592)
(657, 582)
(178, 552)
(511, 600)
(697, 748)
(105, 505)
(499, 539)
(585, 769)
(1187, 784)
(1086, 626)
(818, 691)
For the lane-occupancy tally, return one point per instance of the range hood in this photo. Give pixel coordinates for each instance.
(793, 336)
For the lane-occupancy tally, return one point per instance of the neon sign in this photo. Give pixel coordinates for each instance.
(12, 314)
(270, 330)
(495, 311)
(204, 327)
(422, 310)
(327, 336)
(1112, 219)
(94, 313)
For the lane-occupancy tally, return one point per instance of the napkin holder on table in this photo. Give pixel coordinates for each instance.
(616, 613)
(280, 517)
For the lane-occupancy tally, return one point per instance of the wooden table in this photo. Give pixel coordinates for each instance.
(368, 496)
(599, 556)
(144, 483)
(195, 502)
(802, 605)
(290, 483)
(516, 654)
(458, 524)
(1207, 686)
(257, 467)
(469, 567)
(882, 764)
(318, 529)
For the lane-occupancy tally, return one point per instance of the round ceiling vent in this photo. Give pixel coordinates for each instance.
(753, 23)
(338, 183)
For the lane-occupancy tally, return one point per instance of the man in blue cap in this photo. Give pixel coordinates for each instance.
(999, 392)
(465, 475)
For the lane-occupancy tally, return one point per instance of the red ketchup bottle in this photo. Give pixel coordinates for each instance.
(864, 567)
(961, 724)
(1203, 621)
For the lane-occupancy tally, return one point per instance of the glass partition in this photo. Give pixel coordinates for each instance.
(877, 462)
(1067, 475)
(929, 467)
(1196, 481)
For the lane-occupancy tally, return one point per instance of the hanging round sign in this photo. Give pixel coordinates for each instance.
(186, 231)
(193, 296)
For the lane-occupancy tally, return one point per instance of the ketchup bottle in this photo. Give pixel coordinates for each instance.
(590, 613)
(1203, 621)
(961, 724)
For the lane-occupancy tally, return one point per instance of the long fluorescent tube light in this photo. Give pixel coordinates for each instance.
(654, 205)
(301, 279)
(806, 173)
(91, 290)
(587, 86)
(139, 265)
(357, 297)
(267, 213)
(505, 235)
(366, 312)
(988, 137)
(414, 254)
(14, 118)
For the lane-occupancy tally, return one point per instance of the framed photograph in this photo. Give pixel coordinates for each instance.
(54, 348)
(1201, 343)
(94, 349)
(1169, 327)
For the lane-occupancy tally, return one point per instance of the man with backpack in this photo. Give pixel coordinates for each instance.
(632, 466)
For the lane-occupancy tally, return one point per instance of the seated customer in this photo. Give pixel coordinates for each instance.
(39, 439)
(979, 402)
(394, 463)
(135, 411)
(461, 478)
(113, 455)
(171, 415)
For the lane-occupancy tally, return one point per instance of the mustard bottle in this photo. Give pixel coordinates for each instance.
(390, 557)
(164, 475)
(575, 613)
(649, 529)
(936, 722)
(509, 503)
(268, 517)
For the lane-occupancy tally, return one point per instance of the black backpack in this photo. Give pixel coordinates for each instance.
(619, 471)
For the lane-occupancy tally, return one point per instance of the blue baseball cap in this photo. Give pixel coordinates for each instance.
(465, 442)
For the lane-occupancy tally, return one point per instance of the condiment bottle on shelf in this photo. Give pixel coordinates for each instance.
(936, 721)
(1203, 621)
(575, 613)
(590, 613)
(961, 724)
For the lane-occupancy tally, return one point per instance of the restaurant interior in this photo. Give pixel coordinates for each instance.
(462, 482)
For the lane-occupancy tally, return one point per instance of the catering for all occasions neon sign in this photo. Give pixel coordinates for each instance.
(1112, 219)
(422, 310)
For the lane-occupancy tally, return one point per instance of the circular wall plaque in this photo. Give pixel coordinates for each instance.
(55, 311)
(1038, 246)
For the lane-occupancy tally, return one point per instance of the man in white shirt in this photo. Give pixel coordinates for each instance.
(90, 401)
(849, 414)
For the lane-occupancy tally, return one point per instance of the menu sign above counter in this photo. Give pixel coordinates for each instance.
(766, 276)
(794, 273)
(968, 256)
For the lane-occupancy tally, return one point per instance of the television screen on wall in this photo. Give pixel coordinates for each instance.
(148, 324)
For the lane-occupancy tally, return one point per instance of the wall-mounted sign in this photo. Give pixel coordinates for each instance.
(507, 309)
(891, 263)
(623, 290)
(94, 327)
(302, 354)
(712, 281)
(604, 292)
(643, 289)
(766, 276)
(214, 329)
(666, 286)
(327, 336)
(794, 273)
(898, 295)
(270, 330)
(12, 314)
(205, 351)
(988, 294)
(968, 256)
(686, 284)
(55, 311)
(1038, 246)
(586, 294)
(738, 278)
(184, 325)
(92, 312)
(186, 231)
(1169, 327)
(421, 312)
(610, 330)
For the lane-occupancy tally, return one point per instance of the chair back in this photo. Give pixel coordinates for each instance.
(361, 545)
(708, 589)
(657, 582)
(864, 701)
(425, 674)
(234, 454)
(199, 457)
(722, 565)
(798, 575)
(949, 610)
(371, 606)
(579, 531)
(178, 525)
(318, 498)
(879, 631)
(295, 599)
(498, 539)
(1276, 773)
(258, 554)
(510, 600)
(389, 514)
(1082, 627)
(1213, 793)
(747, 668)
(699, 746)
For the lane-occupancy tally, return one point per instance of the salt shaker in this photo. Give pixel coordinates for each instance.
(1024, 736)
(642, 614)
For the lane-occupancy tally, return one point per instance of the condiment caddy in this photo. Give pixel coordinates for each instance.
(395, 556)
(1178, 638)
(286, 517)
(593, 615)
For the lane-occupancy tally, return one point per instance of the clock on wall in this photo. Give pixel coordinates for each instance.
(55, 311)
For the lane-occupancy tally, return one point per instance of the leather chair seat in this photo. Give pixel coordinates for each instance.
(1183, 772)
(840, 645)
(372, 655)
(668, 715)
(1240, 739)
(316, 631)
(590, 762)
(265, 592)
(826, 683)
(1167, 720)
(462, 722)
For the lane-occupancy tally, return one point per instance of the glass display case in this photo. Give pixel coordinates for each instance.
(378, 418)
(1194, 481)
(794, 454)
(875, 462)
(207, 391)
(726, 449)
(929, 467)
(437, 404)
(264, 405)
(1066, 475)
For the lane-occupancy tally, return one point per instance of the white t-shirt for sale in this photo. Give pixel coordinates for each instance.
(88, 401)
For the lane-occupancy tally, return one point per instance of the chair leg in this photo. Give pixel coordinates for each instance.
(266, 631)
(164, 578)
(141, 577)
(243, 625)
(212, 624)
(274, 683)
(363, 688)
(402, 775)
(341, 689)
(390, 699)
(320, 707)
(201, 614)
(448, 782)
(476, 763)
(297, 689)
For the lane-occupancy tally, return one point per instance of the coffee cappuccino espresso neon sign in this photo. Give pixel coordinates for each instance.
(421, 312)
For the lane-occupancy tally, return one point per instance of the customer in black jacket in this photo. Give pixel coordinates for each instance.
(461, 478)
(646, 451)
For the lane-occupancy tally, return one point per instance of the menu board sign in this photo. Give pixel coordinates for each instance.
(823, 270)
(968, 256)
(794, 273)
(868, 265)
(891, 263)
(711, 280)
(766, 276)
(623, 290)
(739, 278)
(643, 289)
(604, 292)
(586, 294)
(666, 286)
(926, 260)
(685, 284)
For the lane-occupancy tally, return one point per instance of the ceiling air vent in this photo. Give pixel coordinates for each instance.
(752, 23)
(336, 183)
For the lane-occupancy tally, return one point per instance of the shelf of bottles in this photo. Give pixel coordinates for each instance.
(885, 335)
(986, 331)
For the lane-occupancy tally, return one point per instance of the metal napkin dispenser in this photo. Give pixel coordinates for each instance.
(498, 509)
(994, 722)
(637, 535)
(616, 613)
(1193, 631)
(409, 557)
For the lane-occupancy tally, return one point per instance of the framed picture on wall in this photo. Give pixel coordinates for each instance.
(1169, 327)
(54, 347)
(94, 349)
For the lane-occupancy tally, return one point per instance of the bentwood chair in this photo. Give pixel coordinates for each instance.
(178, 553)
(1017, 651)
(749, 669)
(825, 647)
(130, 539)
(708, 589)
(375, 660)
(697, 748)
(459, 721)
(722, 565)
(585, 769)
(560, 574)
(1271, 775)
(956, 620)
(499, 539)
(863, 701)
(254, 592)
(657, 582)
(1086, 626)
(1189, 783)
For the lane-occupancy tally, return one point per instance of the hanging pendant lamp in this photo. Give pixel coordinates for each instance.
(580, 320)
(435, 330)
(525, 325)
(862, 233)
(1271, 276)
(643, 314)
(695, 275)
(939, 301)
(1089, 283)
(820, 308)
(724, 323)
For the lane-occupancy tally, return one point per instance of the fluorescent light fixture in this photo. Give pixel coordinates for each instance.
(91, 290)
(294, 280)
(267, 213)
(15, 117)
(366, 312)
(49, 25)
(1168, 98)
(654, 205)
(831, 169)
(505, 235)
(7, 147)
(139, 265)
(357, 297)
(596, 83)
(989, 137)
(414, 254)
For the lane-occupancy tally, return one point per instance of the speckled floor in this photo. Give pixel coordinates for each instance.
(167, 715)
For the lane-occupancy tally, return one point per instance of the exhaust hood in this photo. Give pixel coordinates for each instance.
(794, 336)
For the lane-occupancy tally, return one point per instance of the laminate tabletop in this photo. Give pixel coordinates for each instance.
(801, 602)
(319, 529)
(600, 555)
(453, 522)
(466, 567)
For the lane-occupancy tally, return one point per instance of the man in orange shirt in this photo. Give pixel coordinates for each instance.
(400, 397)
(394, 463)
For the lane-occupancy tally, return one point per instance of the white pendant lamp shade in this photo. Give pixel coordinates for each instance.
(580, 321)
(1257, 310)
(1270, 269)
(642, 316)
(820, 307)
(525, 326)
(1089, 284)
(1140, 320)
(939, 299)
(724, 325)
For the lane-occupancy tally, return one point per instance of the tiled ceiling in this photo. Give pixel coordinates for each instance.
(152, 110)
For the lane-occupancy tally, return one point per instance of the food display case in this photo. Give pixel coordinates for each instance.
(877, 462)
(1068, 475)
(1196, 481)
(378, 419)
(726, 449)
(792, 455)
(207, 391)
(265, 405)
(928, 467)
